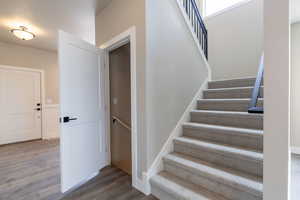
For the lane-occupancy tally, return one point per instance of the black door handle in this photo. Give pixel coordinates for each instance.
(68, 119)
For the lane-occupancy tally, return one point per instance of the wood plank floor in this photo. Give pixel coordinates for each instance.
(30, 171)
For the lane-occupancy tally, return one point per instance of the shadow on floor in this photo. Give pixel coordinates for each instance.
(111, 184)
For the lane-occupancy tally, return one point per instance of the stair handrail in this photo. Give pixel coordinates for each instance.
(197, 23)
(253, 108)
(116, 119)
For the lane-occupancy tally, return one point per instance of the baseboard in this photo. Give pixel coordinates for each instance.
(168, 147)
(51, 135)
(295, 150)
(140, 186)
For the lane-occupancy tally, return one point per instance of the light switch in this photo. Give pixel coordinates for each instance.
(115, 101)
(49, 101)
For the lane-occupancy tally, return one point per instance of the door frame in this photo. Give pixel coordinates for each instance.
(128, 36)
(43, 96)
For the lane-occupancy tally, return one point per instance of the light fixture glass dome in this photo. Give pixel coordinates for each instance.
(22, 33)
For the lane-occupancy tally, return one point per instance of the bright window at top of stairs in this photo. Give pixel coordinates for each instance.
(215, 6)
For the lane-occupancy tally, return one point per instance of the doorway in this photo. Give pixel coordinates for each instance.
(20, 104)
(120, 108)
(124, 38)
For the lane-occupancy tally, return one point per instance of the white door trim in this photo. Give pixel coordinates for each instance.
(42, 90)
(129, 36)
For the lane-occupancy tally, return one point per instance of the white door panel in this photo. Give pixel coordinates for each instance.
(82, 148)
(20, 92)
(87, 165)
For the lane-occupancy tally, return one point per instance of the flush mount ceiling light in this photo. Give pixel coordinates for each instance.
(22, 33)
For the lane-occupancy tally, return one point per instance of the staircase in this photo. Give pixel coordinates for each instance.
(219, 156)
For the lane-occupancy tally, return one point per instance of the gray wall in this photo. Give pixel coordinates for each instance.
(114, 19)
(174, 71)
(169, 67)
(22, 56)
(276, 100)
(295, 85)
(235, 39)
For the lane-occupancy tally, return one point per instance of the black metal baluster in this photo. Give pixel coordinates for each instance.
(197, 23)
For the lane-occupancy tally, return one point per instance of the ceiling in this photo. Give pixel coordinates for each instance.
(295, 11)
(46, 17)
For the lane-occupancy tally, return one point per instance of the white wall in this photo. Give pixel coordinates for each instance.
(295, 85)
(115, 18)
(20, 56)
(235, 40)
(201, 6)
(276, 100)
(175, 70)
(51, 121)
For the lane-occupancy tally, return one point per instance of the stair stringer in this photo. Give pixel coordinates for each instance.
(168, 147)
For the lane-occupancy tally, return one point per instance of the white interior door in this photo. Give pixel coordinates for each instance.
(20, 98)
(82, 111)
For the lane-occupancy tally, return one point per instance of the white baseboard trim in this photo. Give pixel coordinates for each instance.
(51, 135)
(295, 150)
(140, 186)
(168, 147)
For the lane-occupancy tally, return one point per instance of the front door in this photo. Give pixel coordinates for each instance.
(82, 111)
(20, 105)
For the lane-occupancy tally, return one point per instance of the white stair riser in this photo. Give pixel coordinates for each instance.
(218, 153)
(251, 121)
(226, 105)
(225, 159)
(235, 138)
(235, 93)
(249, 82)
(161, 194)
(210, 183)
(166, 186)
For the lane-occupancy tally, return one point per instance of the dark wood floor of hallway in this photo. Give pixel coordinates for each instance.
(30, 171)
